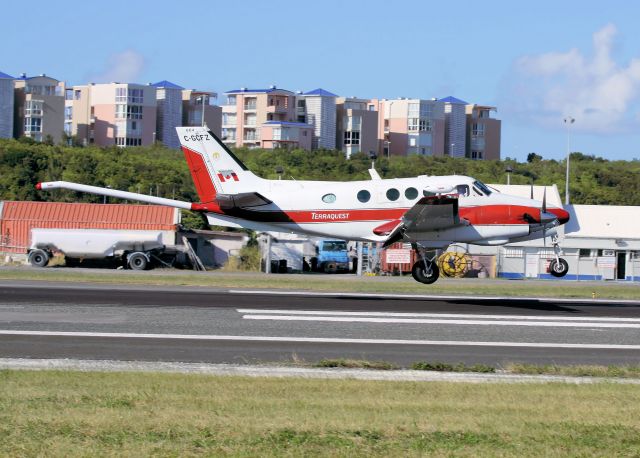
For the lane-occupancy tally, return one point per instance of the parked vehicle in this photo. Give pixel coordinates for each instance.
(137, 250)
(331, 256)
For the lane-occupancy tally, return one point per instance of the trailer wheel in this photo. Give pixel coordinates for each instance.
(138, 261)
(38, 258)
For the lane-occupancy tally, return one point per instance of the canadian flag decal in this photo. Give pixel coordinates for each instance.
(227, 175)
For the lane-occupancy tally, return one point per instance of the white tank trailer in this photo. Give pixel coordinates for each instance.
(133, 249)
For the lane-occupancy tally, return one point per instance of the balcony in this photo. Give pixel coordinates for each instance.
(276, 109)
(250, 106)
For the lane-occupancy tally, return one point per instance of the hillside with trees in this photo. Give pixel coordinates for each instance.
(161, 171)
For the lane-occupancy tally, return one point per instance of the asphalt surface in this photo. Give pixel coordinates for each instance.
(98, 322)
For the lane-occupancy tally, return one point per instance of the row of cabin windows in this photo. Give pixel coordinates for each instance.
(364, 196)
(411, 193)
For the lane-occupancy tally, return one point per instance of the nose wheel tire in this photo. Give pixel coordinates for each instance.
(428, 274)
(559, 269)
(38, 258)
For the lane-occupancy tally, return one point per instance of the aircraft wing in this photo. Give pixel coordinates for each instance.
(430, 213)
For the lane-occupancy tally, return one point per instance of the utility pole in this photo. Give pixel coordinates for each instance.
(568, 121)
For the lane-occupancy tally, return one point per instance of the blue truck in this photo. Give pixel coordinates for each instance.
(331, 256)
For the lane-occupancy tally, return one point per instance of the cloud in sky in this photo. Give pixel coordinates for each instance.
(123, 67)
(594, 89)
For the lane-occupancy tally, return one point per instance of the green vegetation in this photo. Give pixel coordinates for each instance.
(162, 171)
(50, 413)
(333, 283)
(356, 364)
(575, 371)
(445, 367)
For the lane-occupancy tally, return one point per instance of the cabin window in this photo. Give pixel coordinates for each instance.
(329, 198)
(364, 196)
(463, 189)
(393, 194)
(411, 193)
(482, 187)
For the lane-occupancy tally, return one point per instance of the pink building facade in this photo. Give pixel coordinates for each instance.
(246, 110)
(282, 134)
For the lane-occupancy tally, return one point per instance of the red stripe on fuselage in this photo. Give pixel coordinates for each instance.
(478, 215)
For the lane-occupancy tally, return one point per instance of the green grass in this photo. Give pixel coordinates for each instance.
(575, 371)
(445, 367)
(356, 364)
(51, 413)
(334, 283)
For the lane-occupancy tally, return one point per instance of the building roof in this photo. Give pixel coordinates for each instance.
(167, 84)
(256, 91)
(451, 99)
(5, 76)
(286, 123)
(603, 221)
(320, 92)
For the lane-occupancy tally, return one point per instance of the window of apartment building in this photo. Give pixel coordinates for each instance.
(250, 119)
(134, 112)
(352, 123)
(120, 110)
(231, 100)
(33, 124)
(371, 107)
(414, 110)
(484, 114)
(49, 90)
(425, 125)
(67, 128)
(77, 94)
(277, 133)
(127, 141)
(135, 95)
(476, 154)
(228, 134)
(413, 124)
(33, 108)
(68, 113)
(250, 103)
(301, 103)
(477, 129)
(250, 134)
(302, 118)
(121, 94)
(229, 119)
(352, 137)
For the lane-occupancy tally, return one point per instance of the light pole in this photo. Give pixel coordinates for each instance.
(509, 171)
(568, 121)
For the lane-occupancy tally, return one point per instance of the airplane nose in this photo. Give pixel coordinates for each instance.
(561, 214)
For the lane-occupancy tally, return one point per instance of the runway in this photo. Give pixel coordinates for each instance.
(60, 320)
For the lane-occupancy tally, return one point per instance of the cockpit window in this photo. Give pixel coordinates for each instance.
(482, 187)
(463, 190)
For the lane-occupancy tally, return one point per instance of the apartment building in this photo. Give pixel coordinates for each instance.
(246, 110)
(455, 140)
(122, 114)
(6, 105)
(483, 133)
(169, 112)
(195, 103)
(411, 126)
(318, 108)
(283, 134)
(39, 108)
(357, 126)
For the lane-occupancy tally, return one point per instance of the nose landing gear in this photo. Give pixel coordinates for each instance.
(425, 270)
(558, 266)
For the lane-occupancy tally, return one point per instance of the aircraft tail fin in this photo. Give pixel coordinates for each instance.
(214, 168)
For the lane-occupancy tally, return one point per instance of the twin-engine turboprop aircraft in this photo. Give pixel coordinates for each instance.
(430, 212)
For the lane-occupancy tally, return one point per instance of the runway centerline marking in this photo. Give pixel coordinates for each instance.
(115, 335)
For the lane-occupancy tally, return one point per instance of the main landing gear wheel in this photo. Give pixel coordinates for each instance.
(425, 272)
(138, 261)
(559, 267)
(38, 258)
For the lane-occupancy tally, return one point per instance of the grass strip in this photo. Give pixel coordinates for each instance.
(575, 371)
(55, 413)
(334, 283)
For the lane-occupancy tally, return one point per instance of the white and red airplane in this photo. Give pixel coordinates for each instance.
(430, 212)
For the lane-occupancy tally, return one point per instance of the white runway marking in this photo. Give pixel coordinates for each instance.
(434, 315)
(439, 318)
(121, 335)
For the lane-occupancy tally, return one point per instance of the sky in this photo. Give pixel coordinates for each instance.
(537, 62)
